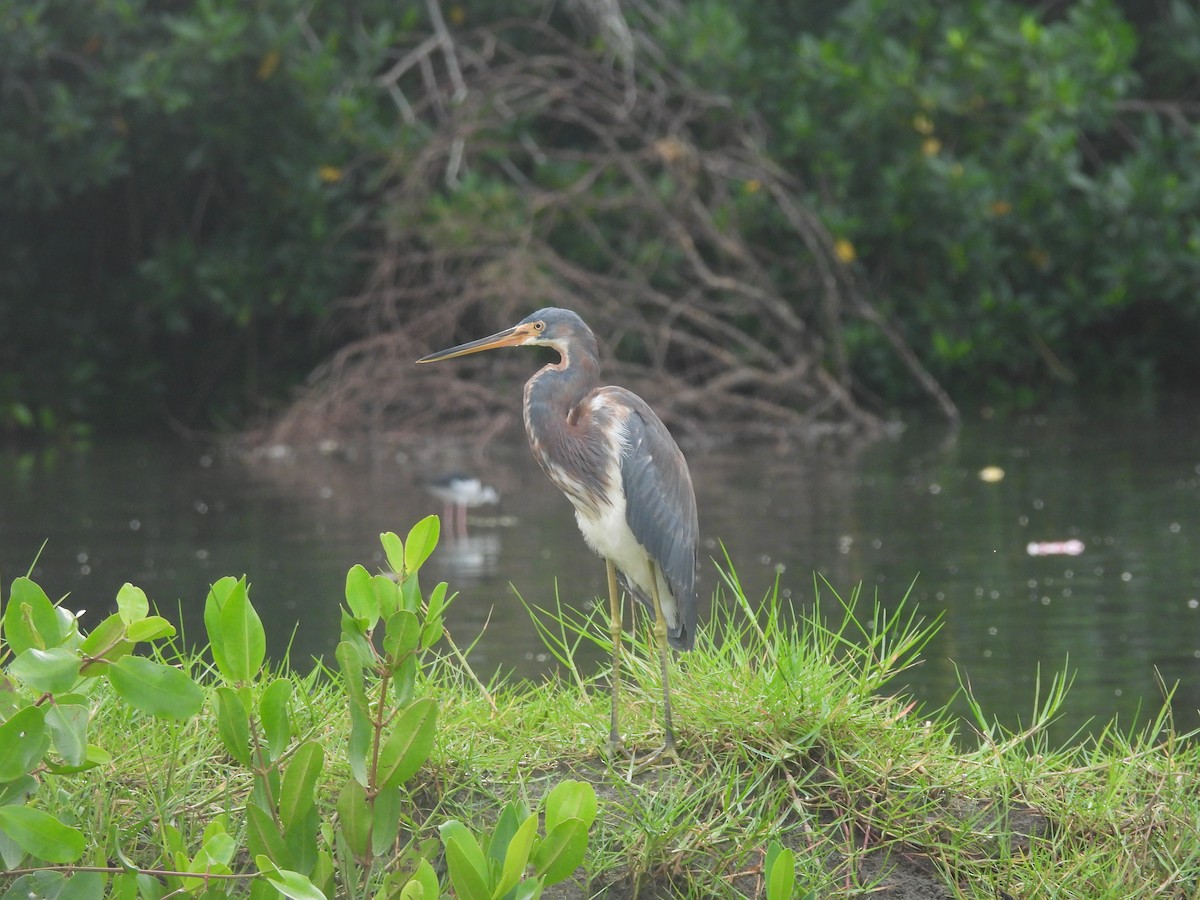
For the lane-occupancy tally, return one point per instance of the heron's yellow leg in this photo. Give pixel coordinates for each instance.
(614, 630)
(664, 657)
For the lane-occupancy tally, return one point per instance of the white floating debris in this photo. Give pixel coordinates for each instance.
(991, 474)
(1072, 547)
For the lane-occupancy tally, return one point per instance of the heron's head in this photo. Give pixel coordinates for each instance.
(549, 327)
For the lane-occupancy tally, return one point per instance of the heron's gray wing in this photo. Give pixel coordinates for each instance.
(660, 507)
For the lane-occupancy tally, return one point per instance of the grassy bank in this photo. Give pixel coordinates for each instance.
(786, 735)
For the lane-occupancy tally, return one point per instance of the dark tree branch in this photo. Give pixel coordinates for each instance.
(715, 290)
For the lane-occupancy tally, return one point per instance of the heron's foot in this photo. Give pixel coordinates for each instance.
(663, 756)
(616, 746)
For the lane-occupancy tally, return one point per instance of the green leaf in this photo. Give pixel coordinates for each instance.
(233, 724)
(132, 604)
(108, 640)
(110, 646)
(41, 835)
(152, 687)
(300, 834)
(516, 857)
(561, 853)
(262, 835)
(409, 743)
(467, 865)
(322, 874)
(217, 850)
(10, 698)
(410, 592)
(389, 805)
(218, 595)
(358, 747)
(354, 631)
(290, 884)
(423, 885)
(92, 756)
(354, 817)
(30, 619)
(38, 885)
(432, 630)
(19, 790)
(172, 839)
(387, 595)
(52, 671)
(393, 548)
(265, 791)
(122, 859)
(11, 855)
(780, 872)
(422, 540)
(296, 796)
(514, 813)
(150, 628)
(149, 887)
(124, 887)
(404, 680)
(241, 636)
(68, 728)
(570, 799)
(83, 886)
(351, 664)
(23, 742)
(273, 710)
(360, 596)
(403, 635)
(530, 889)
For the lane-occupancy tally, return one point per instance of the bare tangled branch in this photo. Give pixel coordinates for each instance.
(545, 179)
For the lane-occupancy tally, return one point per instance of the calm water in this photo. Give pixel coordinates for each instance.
(172, 518)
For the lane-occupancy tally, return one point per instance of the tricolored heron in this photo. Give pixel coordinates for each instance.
(458, 492)
(626, 477)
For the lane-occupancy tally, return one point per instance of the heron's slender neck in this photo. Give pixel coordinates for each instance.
(559, 422)
(553, 394)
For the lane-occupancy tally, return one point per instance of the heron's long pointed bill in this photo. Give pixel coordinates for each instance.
(509, 337)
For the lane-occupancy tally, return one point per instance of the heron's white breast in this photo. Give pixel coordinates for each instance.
(606, 529)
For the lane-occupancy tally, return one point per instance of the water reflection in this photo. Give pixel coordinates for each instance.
(459, 492)
(470, 558)
(1124, 611)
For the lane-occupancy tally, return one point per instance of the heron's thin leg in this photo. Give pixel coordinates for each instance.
(660, 637)
(614, 630)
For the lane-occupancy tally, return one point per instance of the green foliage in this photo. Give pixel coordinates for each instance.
(804, 774)
(391, 730)
(45, 710)
(299, 848)
(779, 872)
(1026, 220)
(183, 187)
(494, 868)
(156, 688)
(177, 181)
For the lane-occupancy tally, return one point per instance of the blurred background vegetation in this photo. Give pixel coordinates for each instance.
(189, 191)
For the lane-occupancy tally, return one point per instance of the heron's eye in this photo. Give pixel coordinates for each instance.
(539, 326)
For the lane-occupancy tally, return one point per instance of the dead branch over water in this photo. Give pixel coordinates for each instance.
(532, 172)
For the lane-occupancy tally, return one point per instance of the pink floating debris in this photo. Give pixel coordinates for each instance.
(1072, 547)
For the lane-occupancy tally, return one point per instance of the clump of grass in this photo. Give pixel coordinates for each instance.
(787, 732)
